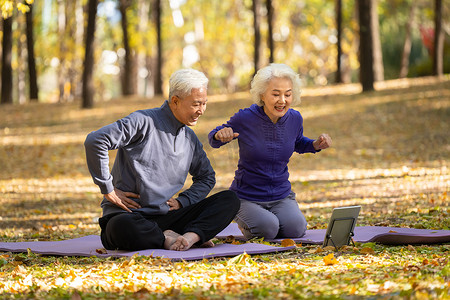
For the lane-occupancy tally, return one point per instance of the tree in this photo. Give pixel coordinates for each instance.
(159, 61)
(75, 29)
(339, 40)
(270, 20)
(257, 31)
(438, 49)
(88, 85)
(377, 53)
(407, 44)
(20, 60)
(366, 69)
(7, 83)
(145, 86)
(129, 83)
(34, 90)
(62, 66)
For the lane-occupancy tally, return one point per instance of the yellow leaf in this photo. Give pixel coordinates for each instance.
(241, 260)
(330, 260)
(367, 250)
(317, 250)
(287, 243)
(23, 8)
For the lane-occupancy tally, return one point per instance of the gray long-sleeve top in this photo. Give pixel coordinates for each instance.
(155, 154)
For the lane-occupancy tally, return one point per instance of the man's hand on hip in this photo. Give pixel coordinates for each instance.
(121, 199)
(173, 204)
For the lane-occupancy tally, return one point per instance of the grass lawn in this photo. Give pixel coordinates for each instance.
(390, 155)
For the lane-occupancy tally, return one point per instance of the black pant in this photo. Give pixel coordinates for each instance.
(136, 231)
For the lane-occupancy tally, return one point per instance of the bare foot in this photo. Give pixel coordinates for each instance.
(207, 244)
(171, 237)
(185, 241)
(177, 242)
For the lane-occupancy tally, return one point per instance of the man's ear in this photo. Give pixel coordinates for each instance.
(174, 100)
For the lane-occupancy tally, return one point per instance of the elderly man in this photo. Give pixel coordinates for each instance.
(156, 150)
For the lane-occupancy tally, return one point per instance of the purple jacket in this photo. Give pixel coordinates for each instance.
(264, 152)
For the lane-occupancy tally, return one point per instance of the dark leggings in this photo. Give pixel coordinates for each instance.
(136, 231)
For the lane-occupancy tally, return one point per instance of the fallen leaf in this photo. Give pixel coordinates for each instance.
(318, 250)
(367, 250)
(330, 260)
(393, 231)
(347, 248)
(230, 239)
(101, 251)
(287, 243)
(329, 248)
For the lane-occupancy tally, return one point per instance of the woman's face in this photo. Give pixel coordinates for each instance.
(277, 98)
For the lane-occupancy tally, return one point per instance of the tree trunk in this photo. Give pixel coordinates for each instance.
(34, 90)
(140, 58)
(378, 66)
(159, 62)
(20, 64)
(129, 76)
(88, 86)
(404, 67)
(438, 51)
(270, 21)
(62, 50)
(366, 69)
(150, 82)
(77, 31)
(7, 83)
(339, 41)
(257, 31)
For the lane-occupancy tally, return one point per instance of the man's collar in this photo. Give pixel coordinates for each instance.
(165, 108)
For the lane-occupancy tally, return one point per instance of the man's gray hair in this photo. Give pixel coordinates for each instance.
(183, 81)
(264, 75)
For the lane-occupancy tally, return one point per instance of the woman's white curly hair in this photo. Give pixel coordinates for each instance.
(264, 75)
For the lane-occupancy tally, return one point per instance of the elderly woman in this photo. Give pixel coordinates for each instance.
(268, 133)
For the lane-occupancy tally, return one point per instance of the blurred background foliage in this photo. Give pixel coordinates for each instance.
(213, 36)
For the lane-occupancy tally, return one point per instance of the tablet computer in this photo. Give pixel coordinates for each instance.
(340, 228)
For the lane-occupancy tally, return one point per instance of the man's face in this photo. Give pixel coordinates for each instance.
(188, 109)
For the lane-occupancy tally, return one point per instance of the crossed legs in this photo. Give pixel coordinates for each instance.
(177, 230)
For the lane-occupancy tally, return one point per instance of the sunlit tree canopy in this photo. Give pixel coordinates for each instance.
(8, 6)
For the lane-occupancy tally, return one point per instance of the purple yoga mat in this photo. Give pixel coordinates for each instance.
(363, 234)
(88, 245)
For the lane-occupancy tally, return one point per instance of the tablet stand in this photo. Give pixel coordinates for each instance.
(328, 237)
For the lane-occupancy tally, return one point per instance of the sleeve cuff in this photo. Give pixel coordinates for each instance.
(184, 201)
(107, 188)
